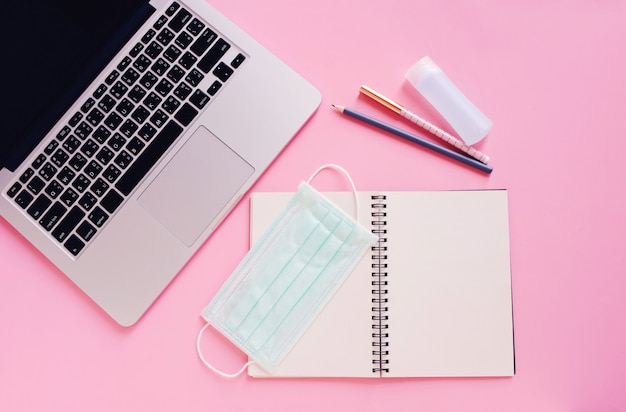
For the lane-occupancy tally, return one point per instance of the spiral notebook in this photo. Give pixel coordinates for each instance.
(431, 299)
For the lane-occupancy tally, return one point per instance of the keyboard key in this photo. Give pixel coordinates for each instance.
(199, 99)
(98, 216)
(124, 63)
(99, 187)
(142, 63)
(54, 189)
(136, 50)
(24, 199)
(128, 128)
(147, 132)
(65, 131)
(105, 155)
(172, 53)
(47, 171)
(52, 216)
(183, 40)
(100, 91)
(179, 21)
(211, 58)
(164, 87)
(152, 101)
(186, 114)
(152, 51)
(83, 130)
(112, 77)
(117, 142)
(69, 222)
(172, 9)
(39, 160)
(107, 103)
(238, 60)
(101, 134)
(66, 175)
(214, 88)
(95, 117)
(165, 36)
(223, 72)
(175, 74)
(148, 158)
(123, 159)
(69, 197)
(71, 144)
(195, 27)
(28, 173)
(135, 146)
(51, 146)
(137, 93)
(86, 231)
(93, 169)
(187, 60)
(170, 105)
(194, 77)
(203, 42)
(75, 119)
(124, 107)
(159, 118)
(113, 120)
(74, 245)
(160, 67)
(160, 22)
(182, 91)
(78, 161)
(35, 185)
(39, 206)
(118, 90)
(87, 201)
(130, 77)
(81, 183)
(111, 173)
(111, 201)
(148, 36)
(87, 105)
(148, 80)
(140, 114)
(14, 189)
(89, 148)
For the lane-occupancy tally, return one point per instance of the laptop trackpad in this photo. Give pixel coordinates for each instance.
(195, 186)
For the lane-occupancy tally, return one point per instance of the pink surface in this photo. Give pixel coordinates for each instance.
(549, 74)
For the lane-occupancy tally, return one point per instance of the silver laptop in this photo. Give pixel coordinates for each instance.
(134, 127)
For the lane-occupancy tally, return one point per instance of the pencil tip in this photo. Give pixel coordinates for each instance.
(339, 108)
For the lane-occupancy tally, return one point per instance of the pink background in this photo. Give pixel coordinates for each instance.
(550, 74)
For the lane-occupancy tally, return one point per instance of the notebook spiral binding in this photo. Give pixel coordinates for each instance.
(380, 343)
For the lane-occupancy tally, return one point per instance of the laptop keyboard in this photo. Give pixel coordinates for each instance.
(82, 177)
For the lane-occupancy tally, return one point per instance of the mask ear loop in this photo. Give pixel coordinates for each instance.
(213, 368)
(345, 172)
(243, 368)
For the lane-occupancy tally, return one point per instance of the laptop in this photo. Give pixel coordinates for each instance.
(133, 127)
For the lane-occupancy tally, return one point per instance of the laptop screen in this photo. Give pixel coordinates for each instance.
(52, 50)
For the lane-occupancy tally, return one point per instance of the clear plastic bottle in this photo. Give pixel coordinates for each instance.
(431, 82)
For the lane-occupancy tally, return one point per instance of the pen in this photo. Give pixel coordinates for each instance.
(415, 139)
(445, 136)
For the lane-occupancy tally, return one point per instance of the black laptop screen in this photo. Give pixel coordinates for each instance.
(52, 49)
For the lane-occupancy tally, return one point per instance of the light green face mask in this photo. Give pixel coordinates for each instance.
(287, 277)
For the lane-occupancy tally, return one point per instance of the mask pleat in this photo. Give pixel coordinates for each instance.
(291, 283)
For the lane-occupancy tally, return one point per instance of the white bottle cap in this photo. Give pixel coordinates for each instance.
(432, 83)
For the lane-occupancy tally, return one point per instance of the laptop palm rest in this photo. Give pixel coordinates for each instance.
(195, 186)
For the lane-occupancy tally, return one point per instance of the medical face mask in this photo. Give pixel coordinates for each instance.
(287, 278)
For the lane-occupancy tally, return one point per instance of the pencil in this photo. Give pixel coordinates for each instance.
(442, 134)
(415, 139)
